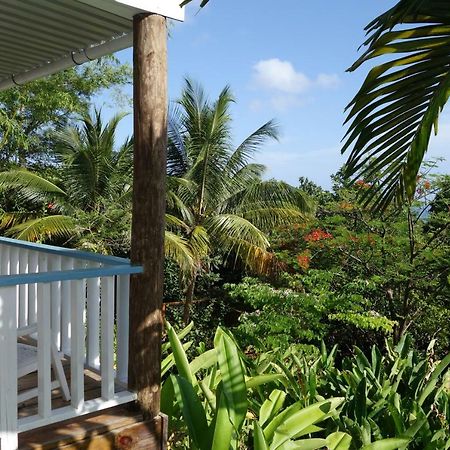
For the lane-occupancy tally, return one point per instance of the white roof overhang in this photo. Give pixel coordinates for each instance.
(41, 37)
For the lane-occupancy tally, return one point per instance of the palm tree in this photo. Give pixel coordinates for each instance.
(217, 200)
(393, 114)
(92, 172)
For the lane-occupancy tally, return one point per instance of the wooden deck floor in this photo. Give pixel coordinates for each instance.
(103, 430)
(91, 382)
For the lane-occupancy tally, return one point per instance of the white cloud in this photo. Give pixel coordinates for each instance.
(326, 80)
(287, 86)
(274, 74)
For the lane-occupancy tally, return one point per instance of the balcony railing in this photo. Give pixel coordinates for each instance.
(78, 302)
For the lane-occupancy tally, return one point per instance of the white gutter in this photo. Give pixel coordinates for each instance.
(73, 59)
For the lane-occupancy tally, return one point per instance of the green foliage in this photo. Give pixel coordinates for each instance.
(280, 401)
(348, 276)
(399, 394)
(302, 309)
(215, 397)
(398, 105)
(30, 114)
(218, 203)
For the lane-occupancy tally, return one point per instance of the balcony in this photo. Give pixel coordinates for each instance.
(76, 303)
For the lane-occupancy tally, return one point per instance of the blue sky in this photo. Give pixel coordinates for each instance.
(286, 64)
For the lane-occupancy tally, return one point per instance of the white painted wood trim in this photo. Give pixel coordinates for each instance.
(33, 267)
(77, 345)
(44, 347)
(107, 338)
(66, 292)
(123, 326)
(93, 322)
(67, 412)
(55, 294)
(8, 367)
(23, 289)
(128, 8)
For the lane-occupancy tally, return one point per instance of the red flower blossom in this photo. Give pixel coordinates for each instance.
(317, 235)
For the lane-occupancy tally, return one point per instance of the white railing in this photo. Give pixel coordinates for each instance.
(78, 302)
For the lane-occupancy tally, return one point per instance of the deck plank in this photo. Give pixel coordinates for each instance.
(85, 428)
(92, 385)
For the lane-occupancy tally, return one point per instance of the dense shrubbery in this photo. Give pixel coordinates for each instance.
(226, 399)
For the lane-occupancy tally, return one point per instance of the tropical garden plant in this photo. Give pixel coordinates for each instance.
(347, 275)
(225, 399)
(92, 183)
(396, 109)
(217, 200)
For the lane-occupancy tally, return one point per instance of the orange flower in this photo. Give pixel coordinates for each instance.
(303, 260)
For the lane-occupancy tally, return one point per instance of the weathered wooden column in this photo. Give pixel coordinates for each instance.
(147, 245)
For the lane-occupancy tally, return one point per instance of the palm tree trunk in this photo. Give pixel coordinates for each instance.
(149, 193)
(189, 299)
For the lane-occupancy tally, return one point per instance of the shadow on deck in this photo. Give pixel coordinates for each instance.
(119, 427)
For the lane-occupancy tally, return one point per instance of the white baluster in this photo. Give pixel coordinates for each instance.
(107, 337)
(67, 264)
(8, 365)
(44, 342)
(93, 322)
(13, 270)
(33, 267)
(23, 289)
(123, 293)
(77, 344)
(6, 260)
(55, 294)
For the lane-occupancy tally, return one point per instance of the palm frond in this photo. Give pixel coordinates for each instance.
(393, 114)
(177, 249)
(267, 219)
(247, 149)
(236, 236)
(199, 242)
(270, 194)
(29, 186)
(44, 228)
(90, 160)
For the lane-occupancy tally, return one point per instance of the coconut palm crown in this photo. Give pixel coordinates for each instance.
(217, 199)
(92, 173)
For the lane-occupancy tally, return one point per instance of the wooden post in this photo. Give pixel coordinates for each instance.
(149, 192)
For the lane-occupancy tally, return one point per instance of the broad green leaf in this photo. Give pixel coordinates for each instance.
(433, 379)
(300, 420)
(271, 406)
(304, 444)
(272, 426)
(262, 379)
(168, 362)
(193, 413)
(232, 374)
(221, 426)
(259, 441)
(387, 444)
(339, 441)
(360, 401)
(180, 356)
(203, 361)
